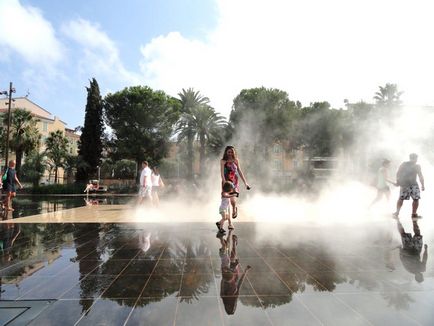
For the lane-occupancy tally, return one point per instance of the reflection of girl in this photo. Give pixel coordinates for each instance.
(232, 278)
(230, 169)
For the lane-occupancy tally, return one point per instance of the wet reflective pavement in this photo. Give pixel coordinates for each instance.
(184, 274)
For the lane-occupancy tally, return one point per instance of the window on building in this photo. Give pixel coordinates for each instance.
(277, 148)
(278, 165)
(44, 126)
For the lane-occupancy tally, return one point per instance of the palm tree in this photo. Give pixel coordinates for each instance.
(388, 97)
(203, 123)
(70, 166)
(56, 150)
(34, 167)
(190, 100)
(24, 135)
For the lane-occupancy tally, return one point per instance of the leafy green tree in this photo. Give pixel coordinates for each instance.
(56, 150)
(70, 166)
(203, 123)
(320, 130)
(124, 169)
(90, 146)
(190, 101)
(261, 116)
(34, 168)
(142, 123)
(24, 135)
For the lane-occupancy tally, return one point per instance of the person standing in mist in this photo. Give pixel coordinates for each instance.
(406, 179)
(157, 184)
(230, 169)
(381, 182)
(145, 183)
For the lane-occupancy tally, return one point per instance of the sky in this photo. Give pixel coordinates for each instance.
(314, 50)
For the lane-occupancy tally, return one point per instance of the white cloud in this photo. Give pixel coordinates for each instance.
(315, 50)
(100, 54)
(24, 29)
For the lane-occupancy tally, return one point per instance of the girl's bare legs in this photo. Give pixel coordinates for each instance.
(377, 198)
(155, 199)
(221, 223)
(230, 226)
(234, 207)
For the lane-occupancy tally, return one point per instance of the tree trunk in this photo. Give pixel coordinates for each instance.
(18, 159)
(202, 156)
(138, 165)
(190, 156)
(55, 174)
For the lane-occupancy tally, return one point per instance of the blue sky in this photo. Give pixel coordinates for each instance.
(120, 27)
(315, 50)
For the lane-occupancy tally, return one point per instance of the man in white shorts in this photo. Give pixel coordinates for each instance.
(406, 179)
(145, 183)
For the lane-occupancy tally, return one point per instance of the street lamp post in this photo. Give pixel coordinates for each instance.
(11, 90)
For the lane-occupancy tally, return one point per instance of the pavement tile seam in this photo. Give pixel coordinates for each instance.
(102, 293)
(213, 268)
(143, 288)
(274, 272)
(179, 290)
(82, 279)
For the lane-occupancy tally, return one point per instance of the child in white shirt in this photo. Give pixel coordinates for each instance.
(227, 193)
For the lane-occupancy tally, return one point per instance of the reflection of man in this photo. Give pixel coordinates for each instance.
(410, 251)
(406, 179)
(232, 278)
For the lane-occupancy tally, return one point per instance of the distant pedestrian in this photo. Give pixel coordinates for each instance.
(9, 185)
(382, 178)
(157, 184)
(406, 179)
(145, 183)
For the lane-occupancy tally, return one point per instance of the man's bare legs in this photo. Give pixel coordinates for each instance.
(415, 206)
(398, 207)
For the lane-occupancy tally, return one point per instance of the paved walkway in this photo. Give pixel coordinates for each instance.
(113, 265)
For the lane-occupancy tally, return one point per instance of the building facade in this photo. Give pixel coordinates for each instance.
(46, 123)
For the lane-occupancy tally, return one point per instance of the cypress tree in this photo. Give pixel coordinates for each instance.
(91, 146)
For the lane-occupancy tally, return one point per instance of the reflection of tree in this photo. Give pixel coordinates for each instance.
(196, 281)
(86, 238)
(323, 279)
(396, 298)
(266, 301)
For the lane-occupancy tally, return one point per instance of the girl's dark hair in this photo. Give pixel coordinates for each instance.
(225, 156)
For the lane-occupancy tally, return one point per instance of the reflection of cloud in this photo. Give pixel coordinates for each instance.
(24, 29)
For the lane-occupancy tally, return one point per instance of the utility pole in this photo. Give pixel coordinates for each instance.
(11, 90)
